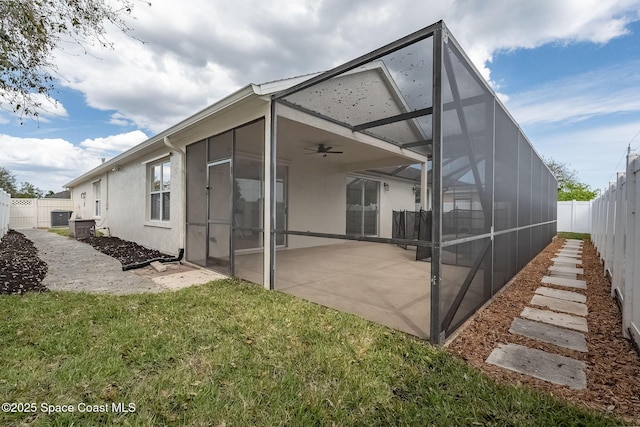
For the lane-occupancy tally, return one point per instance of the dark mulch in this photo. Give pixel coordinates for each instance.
(21, 270)
(124, 251)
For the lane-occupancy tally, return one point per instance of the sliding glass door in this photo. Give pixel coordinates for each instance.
(362, 206)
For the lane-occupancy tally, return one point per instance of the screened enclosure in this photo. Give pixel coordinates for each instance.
(416, 105)
(396, 187)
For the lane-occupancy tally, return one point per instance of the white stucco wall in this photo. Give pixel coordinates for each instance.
(399, 197)
(125, 204)
(317, 201)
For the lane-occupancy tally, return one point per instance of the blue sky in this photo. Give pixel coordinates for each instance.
(568, 71)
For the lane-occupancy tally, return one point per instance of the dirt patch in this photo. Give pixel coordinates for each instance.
(124, 251)
(20, 268)
(613, 365)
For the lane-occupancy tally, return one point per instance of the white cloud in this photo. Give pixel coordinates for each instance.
(199, 51)
(114, 144)
(49, 163)
(119, 119)
(608, 90)
(49, 108)
(203, 50)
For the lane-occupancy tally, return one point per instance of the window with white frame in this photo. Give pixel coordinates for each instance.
(97, 198)
(160, 190)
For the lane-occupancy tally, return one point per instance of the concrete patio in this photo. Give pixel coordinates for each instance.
(380, 282)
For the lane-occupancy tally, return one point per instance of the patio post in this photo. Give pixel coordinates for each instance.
(436, 234)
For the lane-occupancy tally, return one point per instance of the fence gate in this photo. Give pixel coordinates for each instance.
(24, 213)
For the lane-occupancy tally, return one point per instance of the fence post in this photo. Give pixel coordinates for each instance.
(5, 210)
(617, 274)
(632, 271)
(610, 230)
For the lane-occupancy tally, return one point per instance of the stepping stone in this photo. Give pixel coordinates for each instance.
(563, 275)
(550, 334)
(557, 293)
(566, 260)
(159, 267)
(561, 281)
(574, 241)
(559, 319)
(540, 364)
(562, 269)
(556, 304)
(568, 254)
(572, 245)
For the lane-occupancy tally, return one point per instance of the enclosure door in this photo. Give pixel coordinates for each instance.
(197, 204)
(362, 206)
(219, 217)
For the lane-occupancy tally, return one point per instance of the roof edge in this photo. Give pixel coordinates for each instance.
(158, 139)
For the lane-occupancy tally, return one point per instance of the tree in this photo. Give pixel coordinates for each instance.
(569, 188)
(26, 191)
(32, 30)
(7, 181)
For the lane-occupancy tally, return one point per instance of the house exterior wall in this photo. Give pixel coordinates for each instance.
(124, 190)
(124, 202)
(400, 196)
(84, 200)
(317, 201)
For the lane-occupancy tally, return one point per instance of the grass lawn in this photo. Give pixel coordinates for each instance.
(232, 354)
(570, 235)
(62, 231)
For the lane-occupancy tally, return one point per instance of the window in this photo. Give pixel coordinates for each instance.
(96, 197)
(160, 195)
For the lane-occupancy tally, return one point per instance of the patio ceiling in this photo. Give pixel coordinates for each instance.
(296, 140)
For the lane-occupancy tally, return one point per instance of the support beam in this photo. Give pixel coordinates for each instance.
(394, 119)
(436, 334)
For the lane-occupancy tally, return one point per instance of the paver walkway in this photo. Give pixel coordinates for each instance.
(555, 317)
(76, 266)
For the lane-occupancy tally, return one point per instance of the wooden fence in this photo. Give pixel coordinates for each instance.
(616, 235)
(5, 212)
(36, 213)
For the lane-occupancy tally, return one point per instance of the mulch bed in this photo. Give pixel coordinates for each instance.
(20, 268)
(613, 365)
(124, 251)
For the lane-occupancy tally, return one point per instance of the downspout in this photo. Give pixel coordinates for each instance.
(183, 193)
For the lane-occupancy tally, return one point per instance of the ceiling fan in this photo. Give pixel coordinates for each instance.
(322, 149)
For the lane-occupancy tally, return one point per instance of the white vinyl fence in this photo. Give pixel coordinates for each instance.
(5, 212)
(616, 235)
(36, 213)
(574, 216)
